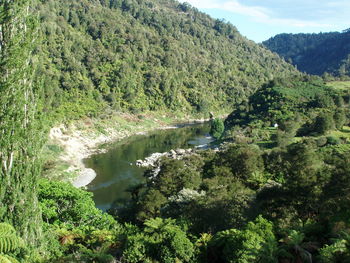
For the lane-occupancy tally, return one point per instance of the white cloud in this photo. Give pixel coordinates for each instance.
(231, 5)
(297, 13)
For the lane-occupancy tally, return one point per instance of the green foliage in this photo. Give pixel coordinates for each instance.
(161, 240)
(20, 127)
(135, 249)
(299, 107)
(283, 101)
(145, 55)
(333, 140)
(340, 119)
(283, 138)
(88, 244)
(304, 175)
(324, 123)
(217, 128)
(294, 248)
(168, 241)
(255, 243)
(9, 240)
(243, 160)
(308, 52)
(61, 203)
(336, 252)
(7, 259)
(161, 55)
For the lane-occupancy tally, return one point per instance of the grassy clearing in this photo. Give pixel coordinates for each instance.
(339, 85)
(344, 133)
(341, 139)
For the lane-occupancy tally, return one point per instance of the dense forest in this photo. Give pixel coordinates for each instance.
(133, 55)
(318, 54)
(275, 190)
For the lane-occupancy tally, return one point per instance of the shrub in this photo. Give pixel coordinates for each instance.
(333, 140)
(217, 128)
(324, 123)
(63, 203)
(322, 141)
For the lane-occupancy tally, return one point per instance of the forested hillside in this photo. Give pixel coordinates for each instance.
(315, 53)
(273, 187)
(270, 193)
(134, 55)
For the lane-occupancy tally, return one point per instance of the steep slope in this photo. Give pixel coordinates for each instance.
(315, 53)
(134, 55)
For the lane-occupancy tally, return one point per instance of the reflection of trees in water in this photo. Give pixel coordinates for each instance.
(116, 162)
(161, 141)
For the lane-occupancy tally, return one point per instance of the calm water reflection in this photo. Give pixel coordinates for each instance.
(116, 170)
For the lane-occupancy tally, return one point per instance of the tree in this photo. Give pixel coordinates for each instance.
(324, 123)
(20, 138)
(217, 128)
(336, 193)
(62, 203)
(294, 247)
(243, 160)
(161, 240)
(339, 119)
(255, 243)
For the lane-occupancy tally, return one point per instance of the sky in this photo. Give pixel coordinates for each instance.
(261, 19)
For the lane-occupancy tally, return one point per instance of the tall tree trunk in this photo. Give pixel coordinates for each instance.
(20, 141)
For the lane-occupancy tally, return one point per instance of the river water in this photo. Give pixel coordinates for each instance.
(116, 170)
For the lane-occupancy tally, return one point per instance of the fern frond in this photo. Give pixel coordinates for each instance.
(6, 229)
(7, 259)
(8, 238)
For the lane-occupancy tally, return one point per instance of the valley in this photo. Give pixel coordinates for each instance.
(147, 131)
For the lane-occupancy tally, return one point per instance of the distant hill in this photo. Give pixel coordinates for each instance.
(134, 55)
(315, 53)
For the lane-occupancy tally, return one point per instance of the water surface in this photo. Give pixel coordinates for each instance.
(116, 170)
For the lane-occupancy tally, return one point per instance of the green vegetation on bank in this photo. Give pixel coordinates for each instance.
(284, 201)
(102, 133)
(277, 189)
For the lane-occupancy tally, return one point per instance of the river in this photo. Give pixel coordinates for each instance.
(116, 170)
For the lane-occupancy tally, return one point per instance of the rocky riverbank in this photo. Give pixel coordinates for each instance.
(84, 138)
(152, 160)
(80, 140)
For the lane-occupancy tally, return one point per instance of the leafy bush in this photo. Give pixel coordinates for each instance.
(161, 240)
(61, 203)
(255, 243)
(324, 123)
(322, 141)
(333, 140)
(217, 128)
(336, 252)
